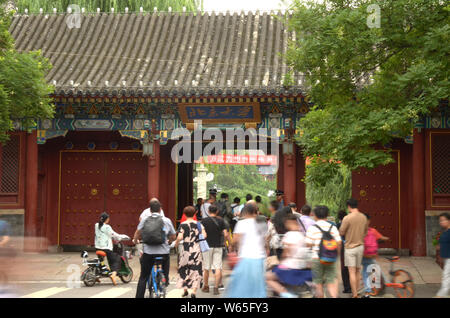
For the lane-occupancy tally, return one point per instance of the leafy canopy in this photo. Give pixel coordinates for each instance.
(368, 85)
(24, 93)
(33, 6)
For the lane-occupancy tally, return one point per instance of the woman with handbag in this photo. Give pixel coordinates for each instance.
(193, 234)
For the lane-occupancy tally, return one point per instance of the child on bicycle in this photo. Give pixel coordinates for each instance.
(294, 268)
(370, 253)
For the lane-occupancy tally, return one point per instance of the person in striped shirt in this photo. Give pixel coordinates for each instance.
(322, 274)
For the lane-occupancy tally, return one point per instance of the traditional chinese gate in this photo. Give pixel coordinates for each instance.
(378, 193)
(93, 182)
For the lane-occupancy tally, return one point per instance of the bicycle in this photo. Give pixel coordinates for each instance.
(399, 279)
(157, 281)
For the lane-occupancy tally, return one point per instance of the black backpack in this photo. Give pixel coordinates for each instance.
(153, 231)
(222, 209)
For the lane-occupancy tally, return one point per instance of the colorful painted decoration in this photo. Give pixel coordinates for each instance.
(91, 145)
(69, 145)
(113, 145)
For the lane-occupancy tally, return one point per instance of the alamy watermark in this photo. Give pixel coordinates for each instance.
(374, 18)
(73, 279)
(374, 276)
(73, 20)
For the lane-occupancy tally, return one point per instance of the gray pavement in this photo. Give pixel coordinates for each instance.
(48, 276)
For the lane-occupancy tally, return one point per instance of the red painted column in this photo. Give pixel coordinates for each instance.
(301, 187)
(153, 172)
(417, 236)
(31, 199)
(289, 178)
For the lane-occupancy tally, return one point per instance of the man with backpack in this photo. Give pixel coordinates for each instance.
(325, 241)
(224, 208)
(156, 232)
(354, 228)
(370, 254)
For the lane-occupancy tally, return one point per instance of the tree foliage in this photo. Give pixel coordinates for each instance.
(332, 192)
(24, 93)
(240, 180)
(368, 85)
(105, 5)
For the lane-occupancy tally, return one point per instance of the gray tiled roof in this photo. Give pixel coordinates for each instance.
(161, 54)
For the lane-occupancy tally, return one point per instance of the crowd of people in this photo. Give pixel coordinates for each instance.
(267, 254)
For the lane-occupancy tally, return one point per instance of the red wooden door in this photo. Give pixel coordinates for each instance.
(378, 193)
(126, 194)
(93, 182)
(82, 196)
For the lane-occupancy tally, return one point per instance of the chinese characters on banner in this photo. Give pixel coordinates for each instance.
(259, 160)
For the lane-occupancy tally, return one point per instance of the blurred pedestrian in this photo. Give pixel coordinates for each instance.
(306, 218)
(354, 228)
(276, 231)
(444, 244)
(280, 198)
(205, 205)
(248, 277)
(198, 206)
(370, 254)
(324, 273)
(217, 235)
(344, 269)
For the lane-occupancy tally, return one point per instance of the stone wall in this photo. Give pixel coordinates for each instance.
(15, 220)
(432, 228)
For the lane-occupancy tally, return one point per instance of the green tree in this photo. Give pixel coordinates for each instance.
(240, 180)
(105, 5)
(368, 84)
(24, 93)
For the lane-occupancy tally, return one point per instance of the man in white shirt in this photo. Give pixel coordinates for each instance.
(147, 212)
(205, 206)
(152, 252)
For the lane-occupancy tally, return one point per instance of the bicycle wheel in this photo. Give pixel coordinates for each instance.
(403, 277)
(161, 283)
(88, 277)
(150, 288)
(127, 278)
(378, 291)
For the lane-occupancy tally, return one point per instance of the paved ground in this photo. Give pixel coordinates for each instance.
(47, 275)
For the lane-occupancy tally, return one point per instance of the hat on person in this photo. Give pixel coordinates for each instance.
(212, 191)
(279, 192)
